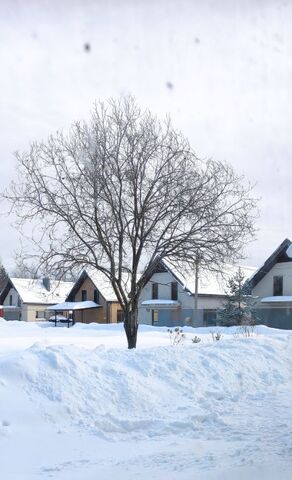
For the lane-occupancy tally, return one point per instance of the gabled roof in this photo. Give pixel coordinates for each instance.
(278, 256)
(100, 281)
(34, 290)
(209, 283)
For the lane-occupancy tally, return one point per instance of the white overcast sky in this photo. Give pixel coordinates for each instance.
(222, 69)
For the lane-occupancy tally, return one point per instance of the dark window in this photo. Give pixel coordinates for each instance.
(209, 318)
(120, 316)
(83, 295)
(96, 296)
(278, 286)
(154, 316)
(173, 290)
(154, 291)
(10, 300)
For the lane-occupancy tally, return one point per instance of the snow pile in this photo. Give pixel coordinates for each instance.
(147, 392)
(181, 399)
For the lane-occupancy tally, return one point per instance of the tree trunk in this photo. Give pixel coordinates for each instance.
(131, 328)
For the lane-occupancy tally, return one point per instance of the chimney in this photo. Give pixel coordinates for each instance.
(46, 283)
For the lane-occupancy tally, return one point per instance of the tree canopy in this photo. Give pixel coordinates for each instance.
(123, 189)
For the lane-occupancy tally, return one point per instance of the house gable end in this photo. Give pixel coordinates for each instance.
(9, 285)
(278, 256)
(78, 286)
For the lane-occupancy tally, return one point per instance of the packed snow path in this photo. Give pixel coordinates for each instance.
(76, 404)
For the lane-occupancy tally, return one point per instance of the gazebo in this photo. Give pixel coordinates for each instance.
(71, 307)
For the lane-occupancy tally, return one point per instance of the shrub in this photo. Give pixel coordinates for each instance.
(176, 336)
(216, 336)
(196, 339)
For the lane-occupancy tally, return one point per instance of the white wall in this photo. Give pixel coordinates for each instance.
(15, 298)
(28, 311)
(265, 287)
(210, 302)
(186, 300)
(164, 290)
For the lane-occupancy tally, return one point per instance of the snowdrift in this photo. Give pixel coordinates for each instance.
(146, 392)
(225, 402)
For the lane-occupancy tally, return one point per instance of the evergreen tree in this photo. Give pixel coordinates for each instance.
(239, 308)
(3, 276)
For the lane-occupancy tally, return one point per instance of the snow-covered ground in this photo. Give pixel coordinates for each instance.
(76, 404)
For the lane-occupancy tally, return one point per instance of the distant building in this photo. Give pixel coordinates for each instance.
(272, 285)
(94, 285)
(168, 298)
(27, 299)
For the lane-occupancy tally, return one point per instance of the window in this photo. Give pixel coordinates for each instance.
(120, 316)
(154, 316)
(83, 295)
(96, 296)
(173, 290)
(278, 286)
(209, 318)
(154, 291)
(10, 299)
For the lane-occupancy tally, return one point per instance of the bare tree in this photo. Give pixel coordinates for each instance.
(122, 190)
(23, 269)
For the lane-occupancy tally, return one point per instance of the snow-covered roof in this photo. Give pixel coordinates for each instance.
(160, 302)
(103, 284)
(100, 281)
(210, 283)
(66, 306)
(277, 299)
(34, 290)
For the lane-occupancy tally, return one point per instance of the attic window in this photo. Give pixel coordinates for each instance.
(278, 286)
(173, 290)
(83, 295)
(96, 296)
(154, 291)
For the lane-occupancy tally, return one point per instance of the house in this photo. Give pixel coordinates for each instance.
(93, 285)
(272, 285)
(27, 299)
(169, 297)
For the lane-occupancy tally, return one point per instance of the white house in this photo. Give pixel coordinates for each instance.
(169, 296)
(272, 285)
(27, 299)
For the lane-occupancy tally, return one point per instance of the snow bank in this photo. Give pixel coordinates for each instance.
(195, 405)
(148, 392)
